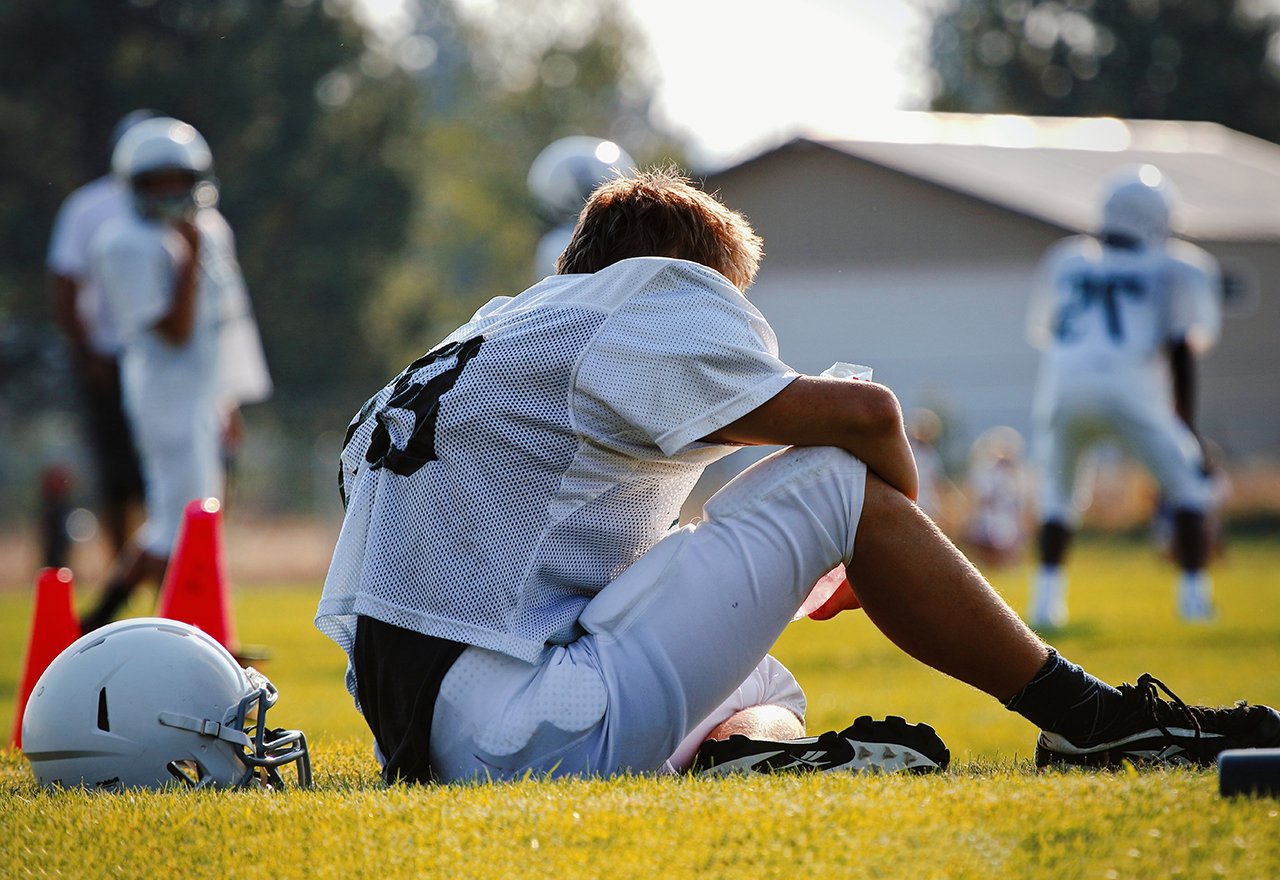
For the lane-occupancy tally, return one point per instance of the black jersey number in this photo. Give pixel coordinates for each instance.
(1097, 292)
(423, 400)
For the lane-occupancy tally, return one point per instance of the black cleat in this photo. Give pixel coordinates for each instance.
(866, 746)
(1154, 731)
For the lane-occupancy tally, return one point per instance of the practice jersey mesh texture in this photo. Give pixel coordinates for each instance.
(505, 477)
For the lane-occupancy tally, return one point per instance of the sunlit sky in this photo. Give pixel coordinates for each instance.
(734, 74)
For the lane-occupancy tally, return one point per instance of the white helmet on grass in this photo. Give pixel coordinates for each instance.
(1138, 204)
(566, 172)
(151, 702)
(162, 145)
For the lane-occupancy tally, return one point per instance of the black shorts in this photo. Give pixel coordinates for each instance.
(398, 676)
(110, 441)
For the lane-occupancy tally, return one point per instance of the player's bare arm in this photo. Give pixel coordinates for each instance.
(1183, 369)
(863, 418)
(178, 322)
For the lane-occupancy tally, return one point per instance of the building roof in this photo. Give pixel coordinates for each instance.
(1052, 168)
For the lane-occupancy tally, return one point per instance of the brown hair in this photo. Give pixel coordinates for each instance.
(659, 213)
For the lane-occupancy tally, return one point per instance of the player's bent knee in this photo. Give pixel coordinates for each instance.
(786, 472)
(881, 498)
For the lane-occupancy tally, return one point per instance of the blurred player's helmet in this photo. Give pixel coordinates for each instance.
(163, 144)
(1000, 443)
(566, 172)
(1138, 203)
(149, 702)
(128, 121)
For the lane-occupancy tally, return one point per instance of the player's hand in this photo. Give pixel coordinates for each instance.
(232, 430)
(190, 233)
(843, 599)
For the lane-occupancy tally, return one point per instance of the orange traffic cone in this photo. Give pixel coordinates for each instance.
(195, 585)
(53, 627)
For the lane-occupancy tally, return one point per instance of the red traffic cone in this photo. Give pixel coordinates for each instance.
(53, 627)
(195, 585)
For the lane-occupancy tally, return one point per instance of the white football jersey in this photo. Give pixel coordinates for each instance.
(82, 214)
(135, 262)
(1106, 314)
(508, 475)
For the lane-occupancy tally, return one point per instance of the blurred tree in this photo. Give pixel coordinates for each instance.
(308, 138)
(373, 168)
(523, 78)
(1208, 60)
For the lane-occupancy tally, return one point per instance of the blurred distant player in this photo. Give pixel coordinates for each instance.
(996, 532)
(924, 428)
(190, 351)
(561, 178)
(95, 344)
(1121, 318)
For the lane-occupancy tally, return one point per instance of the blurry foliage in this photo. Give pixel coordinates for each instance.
(1209, 60)
(313, 189)
(374, 175)
(526, 80)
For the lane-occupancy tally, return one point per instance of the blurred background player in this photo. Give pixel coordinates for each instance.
(1121, 318)
(95, 346)
(560, 179)
(189, 346)
(1220, 490)
(996, 530)
(924, 431)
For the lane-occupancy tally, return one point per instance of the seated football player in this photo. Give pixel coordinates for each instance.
(512, 594)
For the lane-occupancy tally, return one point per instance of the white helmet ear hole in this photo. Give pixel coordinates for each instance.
(104, 719)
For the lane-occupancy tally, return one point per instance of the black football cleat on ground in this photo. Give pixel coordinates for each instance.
(866, 746)
(1156, 731)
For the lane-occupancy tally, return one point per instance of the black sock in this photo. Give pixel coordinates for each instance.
(1062, 698)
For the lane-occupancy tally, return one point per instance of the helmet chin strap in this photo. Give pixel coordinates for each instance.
(206, 727)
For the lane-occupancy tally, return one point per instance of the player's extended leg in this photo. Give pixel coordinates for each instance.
(922, 593)
(1190, 542)
(1048, 603)
(1173, 455)
(934, 605)
(1057, 446)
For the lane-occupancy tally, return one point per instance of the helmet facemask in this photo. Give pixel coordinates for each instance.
(262, 750)
(172, 195)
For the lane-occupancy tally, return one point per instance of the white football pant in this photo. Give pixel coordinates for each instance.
(181, 455)
(1082, 415)
(674, 646)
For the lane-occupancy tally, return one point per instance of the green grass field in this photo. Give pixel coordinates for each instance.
(992, 815)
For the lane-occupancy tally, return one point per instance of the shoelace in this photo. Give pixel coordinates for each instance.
(1151, 687)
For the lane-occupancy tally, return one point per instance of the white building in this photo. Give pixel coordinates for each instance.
(911, 249)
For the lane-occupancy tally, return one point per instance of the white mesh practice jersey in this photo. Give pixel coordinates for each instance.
(1104, 313)
(80, 217)
(135, 261)
(505, 477)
